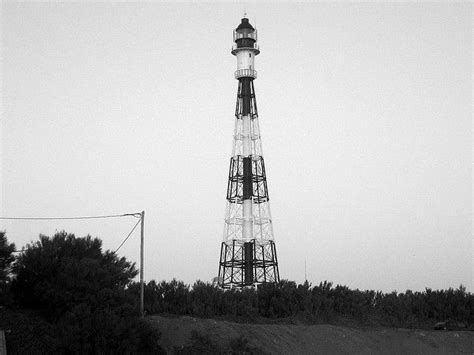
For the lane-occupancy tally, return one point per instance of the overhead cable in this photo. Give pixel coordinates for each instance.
(129, 234)
(70, 218)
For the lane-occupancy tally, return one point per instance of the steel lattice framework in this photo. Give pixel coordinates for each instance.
(248, 253)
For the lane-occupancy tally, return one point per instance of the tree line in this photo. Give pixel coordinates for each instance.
(311, 304)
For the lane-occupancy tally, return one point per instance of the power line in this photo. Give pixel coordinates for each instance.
(136, 215)
(129, 234)
(141, 219)
(110, 216)
(71, 218)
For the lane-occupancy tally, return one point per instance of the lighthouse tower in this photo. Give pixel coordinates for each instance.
(248, 254)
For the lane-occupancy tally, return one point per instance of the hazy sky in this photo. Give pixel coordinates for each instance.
(365, 112)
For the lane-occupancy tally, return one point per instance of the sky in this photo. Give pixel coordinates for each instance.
(365, 112)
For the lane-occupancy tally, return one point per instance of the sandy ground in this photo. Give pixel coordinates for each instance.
(314, 339)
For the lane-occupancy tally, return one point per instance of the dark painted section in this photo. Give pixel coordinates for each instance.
(248, 263)
(245, 42)
(247, 181)
(244, 25)
(3, 343)
(246, 95)
(246, 104)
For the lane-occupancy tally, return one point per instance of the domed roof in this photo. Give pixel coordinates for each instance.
(245, 25)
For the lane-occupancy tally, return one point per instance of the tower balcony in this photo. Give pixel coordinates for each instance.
(245, 73)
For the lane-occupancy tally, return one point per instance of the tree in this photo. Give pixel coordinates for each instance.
(6, 258)
(82, 290)
(55, 274)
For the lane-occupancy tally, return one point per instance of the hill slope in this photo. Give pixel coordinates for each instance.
(181, 334)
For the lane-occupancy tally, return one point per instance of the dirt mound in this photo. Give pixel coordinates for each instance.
(185, 334)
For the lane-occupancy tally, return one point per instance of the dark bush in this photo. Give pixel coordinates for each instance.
(55, 274)
(81, 291)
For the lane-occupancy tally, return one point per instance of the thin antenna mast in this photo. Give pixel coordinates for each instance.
(305, 276)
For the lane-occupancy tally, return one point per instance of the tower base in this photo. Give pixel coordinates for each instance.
(247, 263)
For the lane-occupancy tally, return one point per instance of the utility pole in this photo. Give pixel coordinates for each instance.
(142, 312)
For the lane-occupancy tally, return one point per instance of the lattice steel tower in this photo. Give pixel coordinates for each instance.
(248, 254)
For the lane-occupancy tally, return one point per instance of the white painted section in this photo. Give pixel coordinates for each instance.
(247, 230)
(245, 60)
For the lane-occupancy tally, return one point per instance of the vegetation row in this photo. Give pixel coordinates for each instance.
(322, 303)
